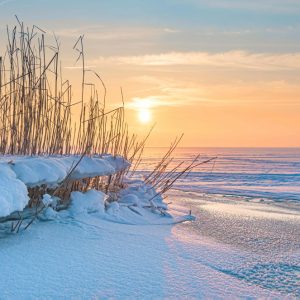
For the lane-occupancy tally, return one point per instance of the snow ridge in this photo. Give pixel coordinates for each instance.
(17, 173)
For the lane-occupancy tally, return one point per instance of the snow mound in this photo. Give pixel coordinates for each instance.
(140, 204)
(13, 192)
(137, 215)
(143, 195)
(51, 170)
(90, 202)
(17, 173)
(35, 171)
(135, 206)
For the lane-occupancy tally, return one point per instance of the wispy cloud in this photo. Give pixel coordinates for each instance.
(231, 59)
(3, 2)
(255, 5)
(106, 33)
(183, 93)
(149, 102)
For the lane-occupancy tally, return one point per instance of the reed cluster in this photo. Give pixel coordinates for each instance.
(37, 110)
(37, 105)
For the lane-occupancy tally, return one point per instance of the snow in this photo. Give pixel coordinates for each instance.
(35, 171)
(13, 196)
(140, 247)
(17, 173)
(134, 209)
(145, 193)
(89, 202)
(80, 253)
(48, 200)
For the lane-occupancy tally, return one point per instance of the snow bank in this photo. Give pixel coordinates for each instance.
(17, 173)
(35, 171)
(13, 192)
(90, 202)
(137, 204)
(141, 194)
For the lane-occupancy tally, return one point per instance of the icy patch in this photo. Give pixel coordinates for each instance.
(252, 210)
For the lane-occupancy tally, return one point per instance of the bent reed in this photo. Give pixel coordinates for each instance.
(37, 109)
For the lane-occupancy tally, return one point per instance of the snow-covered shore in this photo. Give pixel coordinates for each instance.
(140, 247)
(80, 254)
(17, 173)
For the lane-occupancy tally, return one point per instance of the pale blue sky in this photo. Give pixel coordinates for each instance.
(196, 25)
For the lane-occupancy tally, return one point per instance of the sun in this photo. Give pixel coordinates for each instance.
(144, 115)
(143, 108)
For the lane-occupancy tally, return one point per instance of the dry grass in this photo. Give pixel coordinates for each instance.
(37, 111)
(37, 107)
(37, 116)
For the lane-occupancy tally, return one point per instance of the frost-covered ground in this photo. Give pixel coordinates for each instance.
(82, 254)
(264, 234)
(238, 246)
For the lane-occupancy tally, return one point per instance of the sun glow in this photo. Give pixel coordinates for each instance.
(144, 115)
(143, 107)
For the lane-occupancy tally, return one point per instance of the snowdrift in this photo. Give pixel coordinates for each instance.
(19, 173)
(136, 206)
(137, 203)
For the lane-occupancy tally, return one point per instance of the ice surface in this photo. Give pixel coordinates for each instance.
(254, 172)
(264, 235)
(238, 247)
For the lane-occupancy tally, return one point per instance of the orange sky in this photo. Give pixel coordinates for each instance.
(214, 105)
(226, 73)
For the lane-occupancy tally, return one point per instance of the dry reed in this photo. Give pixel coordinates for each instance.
(37, 116)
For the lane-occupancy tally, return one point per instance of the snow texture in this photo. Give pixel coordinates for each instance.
(35, 171)
(133, 207)
(79, 254)
(89, 202)
(17, 173)
(13, 195)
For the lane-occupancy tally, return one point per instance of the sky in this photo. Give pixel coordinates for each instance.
(226, 73)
